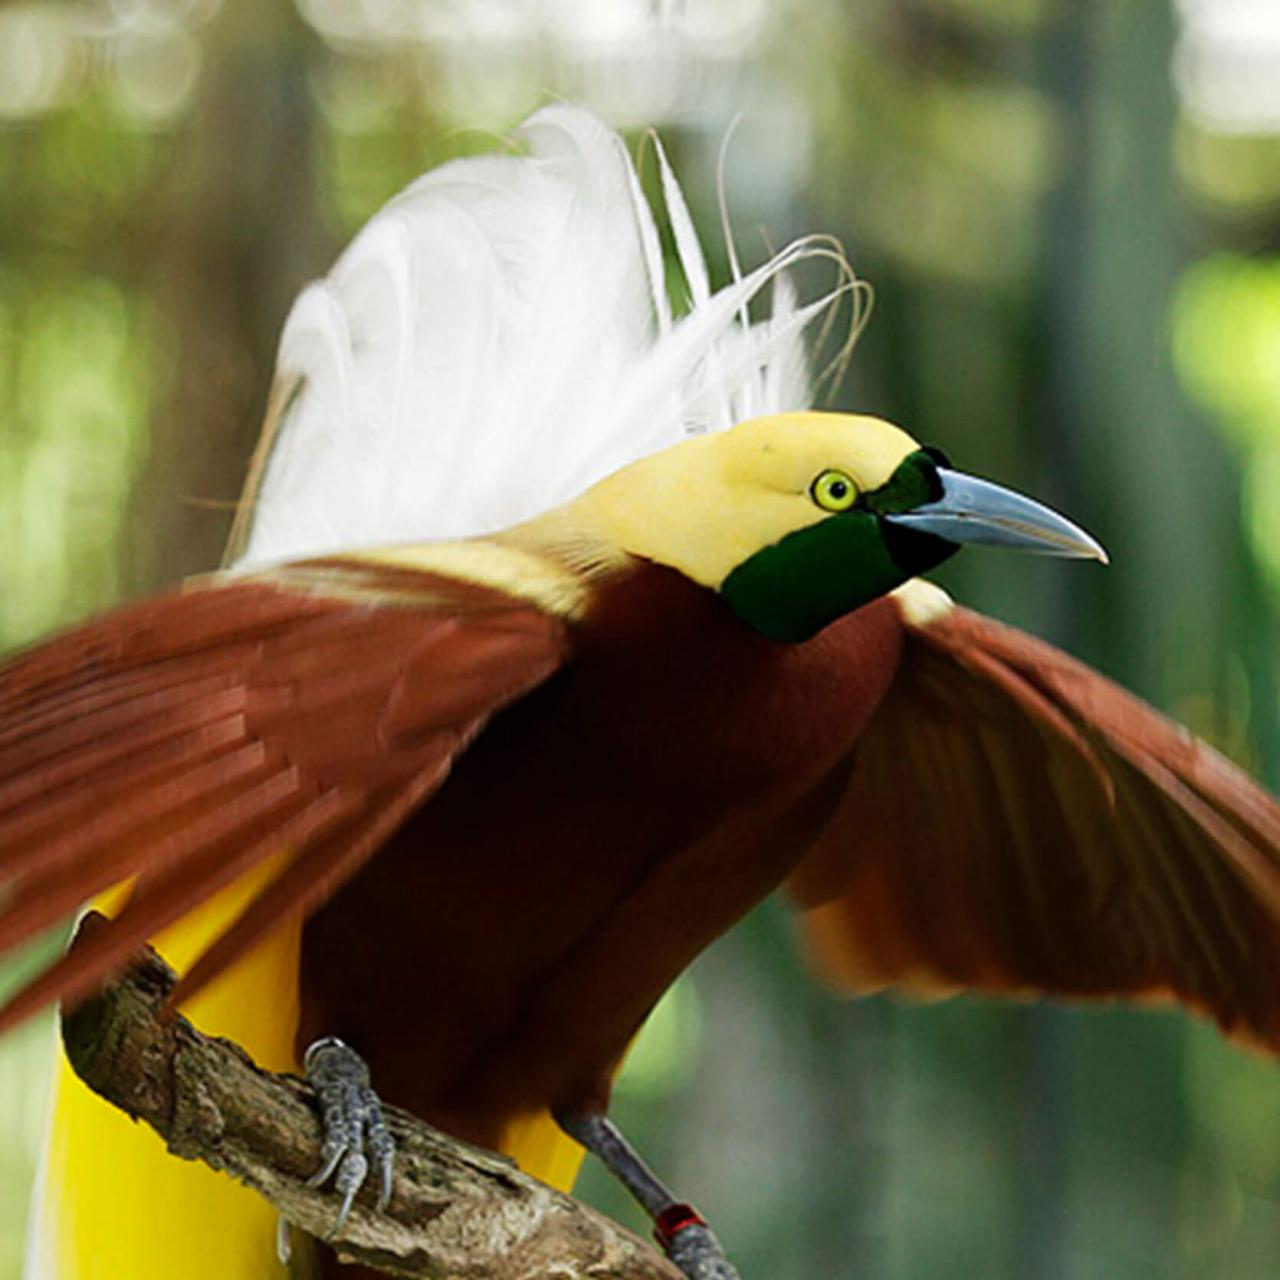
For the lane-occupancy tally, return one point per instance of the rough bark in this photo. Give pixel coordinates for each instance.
(455, 1211)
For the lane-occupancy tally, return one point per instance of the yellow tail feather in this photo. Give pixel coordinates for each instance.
(543, 1150)
(113, 1204)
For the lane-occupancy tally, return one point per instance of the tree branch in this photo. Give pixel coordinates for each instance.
(455, 1211)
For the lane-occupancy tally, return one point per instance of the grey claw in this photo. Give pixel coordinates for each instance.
(284, 1241)
(330, 1154)
(696, 1251)
(353, 1124)
(386, 1161)
(351, 1175)
(381, 1149)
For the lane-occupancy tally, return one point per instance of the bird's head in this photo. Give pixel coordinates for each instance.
(799, 518)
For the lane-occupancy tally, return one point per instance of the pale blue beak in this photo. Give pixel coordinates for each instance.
(973, 511)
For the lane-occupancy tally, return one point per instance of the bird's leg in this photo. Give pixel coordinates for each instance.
(355, 1134)
(678, 1227)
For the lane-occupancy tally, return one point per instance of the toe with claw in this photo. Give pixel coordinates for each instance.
(355, 1133)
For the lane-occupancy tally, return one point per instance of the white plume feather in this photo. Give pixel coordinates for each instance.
(499, 336)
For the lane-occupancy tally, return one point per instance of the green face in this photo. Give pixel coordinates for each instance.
(794, 588)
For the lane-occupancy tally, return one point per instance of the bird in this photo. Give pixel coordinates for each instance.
(559, 629)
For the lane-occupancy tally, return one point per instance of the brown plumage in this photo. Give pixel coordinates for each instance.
(1013, 822)
(522, 781)
(594, 839)
(187, 740)
(1019, 823)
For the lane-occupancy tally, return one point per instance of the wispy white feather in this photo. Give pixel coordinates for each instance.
(688, 246)
(500, 336)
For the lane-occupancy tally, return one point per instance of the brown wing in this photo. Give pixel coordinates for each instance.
(1017, 823)
(186, 740)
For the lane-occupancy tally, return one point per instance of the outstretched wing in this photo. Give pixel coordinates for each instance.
(182, 742)
(1017, 823)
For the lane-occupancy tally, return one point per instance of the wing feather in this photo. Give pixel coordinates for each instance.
(215, 801)
(1017, 823)
(165, 898)
(183, 742)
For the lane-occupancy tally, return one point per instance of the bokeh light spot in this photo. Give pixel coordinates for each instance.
(40, 60)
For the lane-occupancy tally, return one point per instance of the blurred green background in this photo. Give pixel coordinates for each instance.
(1071, 214)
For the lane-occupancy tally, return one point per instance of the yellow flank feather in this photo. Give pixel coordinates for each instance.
(113, 1204)
(543, 1150)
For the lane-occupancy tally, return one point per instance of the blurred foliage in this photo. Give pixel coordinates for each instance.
(78, 365)
(1226, 340)
(1071, 214)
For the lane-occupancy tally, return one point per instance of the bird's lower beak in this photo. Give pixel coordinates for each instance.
(977, 511)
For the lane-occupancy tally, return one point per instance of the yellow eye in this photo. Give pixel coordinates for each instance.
(834, 491)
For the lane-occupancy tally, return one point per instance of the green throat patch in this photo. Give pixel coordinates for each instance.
(791, 590)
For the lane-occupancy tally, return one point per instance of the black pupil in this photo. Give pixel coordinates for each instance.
(838, 489)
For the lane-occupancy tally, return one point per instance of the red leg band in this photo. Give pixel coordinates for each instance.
(674, 1219)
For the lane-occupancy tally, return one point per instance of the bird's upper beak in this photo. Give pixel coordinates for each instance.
(977, 511)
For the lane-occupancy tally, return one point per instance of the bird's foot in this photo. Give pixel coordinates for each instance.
(355, 1133)
(691, 1244)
